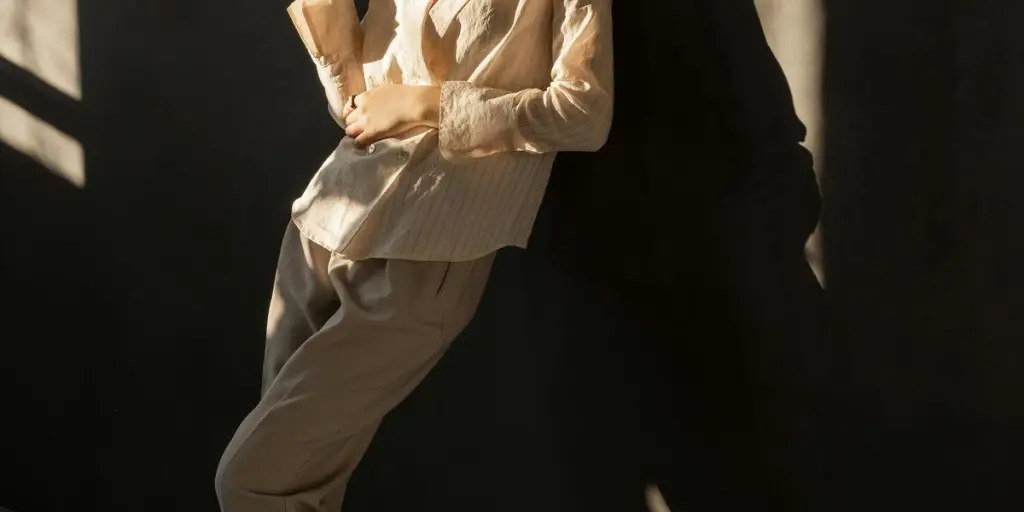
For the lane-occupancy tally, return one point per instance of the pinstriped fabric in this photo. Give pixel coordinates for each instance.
(520, 80)
(458, 214)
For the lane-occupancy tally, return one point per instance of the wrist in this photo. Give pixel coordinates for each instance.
(430, 105)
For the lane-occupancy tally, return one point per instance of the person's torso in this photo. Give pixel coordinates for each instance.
(375, 200)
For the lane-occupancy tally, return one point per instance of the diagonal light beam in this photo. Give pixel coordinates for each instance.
(47, 145)
(41, 36)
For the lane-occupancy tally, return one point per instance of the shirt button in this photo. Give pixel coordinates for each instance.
(371, 148)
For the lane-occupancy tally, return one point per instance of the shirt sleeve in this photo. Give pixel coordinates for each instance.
(573, 113)
(331, 32)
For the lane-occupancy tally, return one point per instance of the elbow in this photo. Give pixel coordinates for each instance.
(566, 123)
(599, 137)
(599, 126)
(591, 144)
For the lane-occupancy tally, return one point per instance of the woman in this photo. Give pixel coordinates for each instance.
(447, 153)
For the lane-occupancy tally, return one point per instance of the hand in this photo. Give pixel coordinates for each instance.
(390, 110)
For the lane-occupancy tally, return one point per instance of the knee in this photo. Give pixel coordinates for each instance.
(232, 482)
(226, 481)
(249, 475)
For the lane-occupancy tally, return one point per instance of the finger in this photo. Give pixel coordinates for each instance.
(365, 138)
(351, 105)
(353, 116)
(355, 129)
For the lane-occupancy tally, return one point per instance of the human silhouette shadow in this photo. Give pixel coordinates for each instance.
(690, 226)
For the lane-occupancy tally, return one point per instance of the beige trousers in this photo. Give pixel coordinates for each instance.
(347, 341)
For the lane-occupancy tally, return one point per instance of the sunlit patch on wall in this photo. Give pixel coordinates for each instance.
(795, 29)
(41, 36)
(655, 501)
(52, 148)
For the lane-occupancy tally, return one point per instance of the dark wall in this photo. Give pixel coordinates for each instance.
(662, 327)
(135, 304)
(923, 245)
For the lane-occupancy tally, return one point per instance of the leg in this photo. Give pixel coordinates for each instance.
(297, 449)
(302, 302)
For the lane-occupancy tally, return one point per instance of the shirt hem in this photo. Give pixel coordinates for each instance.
(403, 255)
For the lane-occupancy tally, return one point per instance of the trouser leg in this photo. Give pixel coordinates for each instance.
(394, 320)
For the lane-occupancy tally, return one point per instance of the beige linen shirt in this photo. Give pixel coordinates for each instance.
(520, 80)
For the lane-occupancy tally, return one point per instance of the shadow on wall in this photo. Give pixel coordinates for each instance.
(795, 30)
(39, 51)
(923, 250)
(689, 226)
